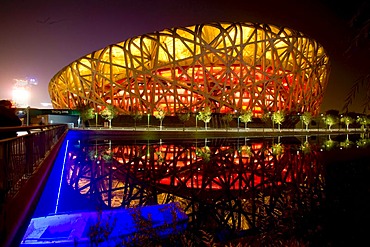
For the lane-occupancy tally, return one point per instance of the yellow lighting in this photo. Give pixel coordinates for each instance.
(224, 66)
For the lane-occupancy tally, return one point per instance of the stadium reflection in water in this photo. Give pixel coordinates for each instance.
(235, 185)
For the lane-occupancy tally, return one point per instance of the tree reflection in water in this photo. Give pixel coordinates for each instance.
(228, 187)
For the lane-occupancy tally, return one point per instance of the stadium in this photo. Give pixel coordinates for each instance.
(228, 67)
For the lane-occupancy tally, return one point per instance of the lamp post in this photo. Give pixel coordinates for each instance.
(237, 115)
(196, 122)
(148, 120)
(96, 120)
(320, 118)
(28, 115)
(301, 120)
(196, 119)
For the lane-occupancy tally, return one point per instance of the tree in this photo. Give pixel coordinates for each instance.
(332, 112)
(363, 120)
(137, 115)
(227, 119)
(86, 113)
(205, 116)
(184, 116)
(347, 120)
(246, 117)
(266, 118)
(109, 113)
(306, 118)
(278, 117)
(360, 25)
(160, 114)
(330, 120)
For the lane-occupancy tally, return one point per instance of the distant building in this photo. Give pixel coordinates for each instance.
(32, 116)
(228, 67)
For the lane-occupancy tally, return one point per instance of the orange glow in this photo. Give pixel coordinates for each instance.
(213, 69)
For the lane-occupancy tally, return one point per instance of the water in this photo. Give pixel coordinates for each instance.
(283, 191)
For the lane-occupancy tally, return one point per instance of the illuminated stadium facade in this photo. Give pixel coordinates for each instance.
(228, 67)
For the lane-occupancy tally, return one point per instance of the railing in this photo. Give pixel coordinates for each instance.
(24, 163)
(21, 156)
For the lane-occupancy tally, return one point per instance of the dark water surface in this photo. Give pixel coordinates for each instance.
(286, 191)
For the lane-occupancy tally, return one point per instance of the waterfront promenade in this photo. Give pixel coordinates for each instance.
(155, 132)
(19, 208)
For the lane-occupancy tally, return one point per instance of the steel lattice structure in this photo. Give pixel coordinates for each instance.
(224, 66)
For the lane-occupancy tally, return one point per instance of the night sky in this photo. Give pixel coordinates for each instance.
(39, 37)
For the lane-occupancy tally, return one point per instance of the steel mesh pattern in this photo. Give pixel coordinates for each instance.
(225, 66)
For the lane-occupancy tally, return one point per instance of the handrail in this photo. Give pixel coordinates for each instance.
(22, 160)
(27, 129)
(20, 156)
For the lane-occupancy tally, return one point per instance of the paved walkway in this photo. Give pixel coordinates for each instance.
(155, 132)
(247, 130)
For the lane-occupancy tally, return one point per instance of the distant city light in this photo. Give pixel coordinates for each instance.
(21, 91)
(46, 104)
(21, 96)
(32, 81)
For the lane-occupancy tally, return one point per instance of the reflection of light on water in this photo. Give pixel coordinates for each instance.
(346, 144)
(277, 149)
(363, 142)
(61, 178)
(306, 147)
(244, 186)
(134, 177)
(329, 144)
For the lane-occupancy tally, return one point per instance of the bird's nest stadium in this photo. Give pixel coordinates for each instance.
(227, 67)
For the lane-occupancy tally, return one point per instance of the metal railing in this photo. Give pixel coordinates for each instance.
(21, 156)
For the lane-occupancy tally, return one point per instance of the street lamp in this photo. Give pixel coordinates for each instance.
(196, 119)
(320, 118)
(237, 115)
(196, 122)
(96, 120)
(300, 119)
(148, 120)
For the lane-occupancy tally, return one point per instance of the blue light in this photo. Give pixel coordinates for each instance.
(61, 178)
